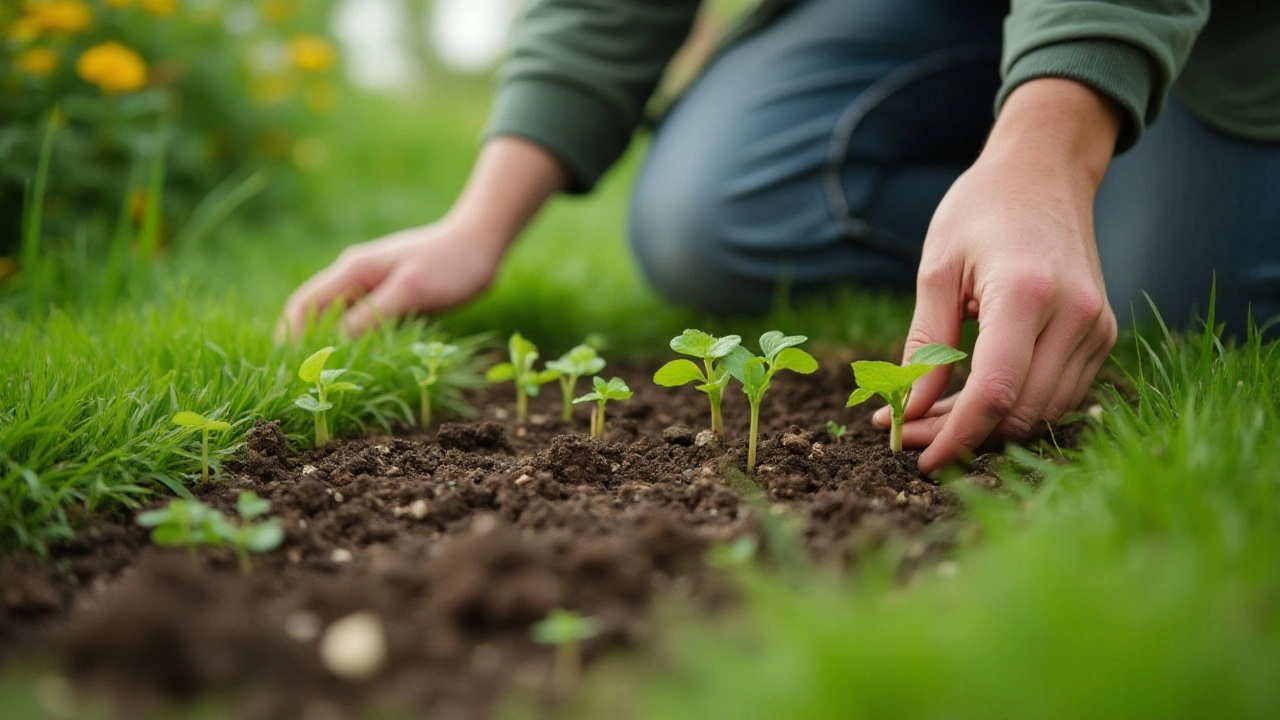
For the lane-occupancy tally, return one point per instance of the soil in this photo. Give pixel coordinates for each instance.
(457, 540)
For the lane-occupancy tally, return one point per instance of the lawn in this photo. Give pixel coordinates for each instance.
(1131, 576)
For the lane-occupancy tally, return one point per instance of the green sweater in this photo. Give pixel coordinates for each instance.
(581, 71)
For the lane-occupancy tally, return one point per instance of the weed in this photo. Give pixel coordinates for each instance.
(836, 431)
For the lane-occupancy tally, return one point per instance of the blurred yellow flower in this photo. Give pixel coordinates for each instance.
(277, 11)
(37, 61)
(311, 53)
(159, 8)
(24, 29)
(64, 16)
(112, 67)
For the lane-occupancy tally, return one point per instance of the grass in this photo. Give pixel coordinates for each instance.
(1138, 579)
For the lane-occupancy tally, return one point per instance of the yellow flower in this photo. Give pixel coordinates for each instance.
(37, 61)
(159, 8)
(59, 16)
(112, 67)
(311, 53)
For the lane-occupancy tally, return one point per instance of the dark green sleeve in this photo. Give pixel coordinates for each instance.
(580, 74)
(1129, 50)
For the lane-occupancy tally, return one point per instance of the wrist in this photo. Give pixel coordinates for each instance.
(1059, 124)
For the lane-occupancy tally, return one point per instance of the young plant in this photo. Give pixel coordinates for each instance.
(520, 371)
(756, 374)
(249, 537)
(578, 362)
(615, 389)
(326, 382)
(196, 421)
(836, 430)
(712, 377)
(893, 382)
(183, 523)
(436, 357)
(566, 629)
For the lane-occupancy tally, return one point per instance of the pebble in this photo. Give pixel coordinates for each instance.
(308, 469)
(337, 497)
(708, 438)
(679, 435)
(521, 432)
(539, 419)
(484, 524)
(341, 556)
(523, 479)
(354, 647)
(501, 413)
(302, 626)
(418, 509)
(796, 443)
(817, 451)
(382, 449)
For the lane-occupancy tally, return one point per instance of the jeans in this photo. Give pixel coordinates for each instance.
(815, 151)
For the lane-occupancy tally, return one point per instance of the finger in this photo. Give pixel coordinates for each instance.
(922, 432)
(942, 407)
(393, 298)
(938, 315)
(1080, 371)
(346, 280)
(1001, 360)
(1058, 354)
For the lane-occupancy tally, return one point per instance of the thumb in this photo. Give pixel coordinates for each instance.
(391, 299)
(937, 319)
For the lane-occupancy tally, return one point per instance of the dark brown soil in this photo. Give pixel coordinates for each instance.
(457, 541)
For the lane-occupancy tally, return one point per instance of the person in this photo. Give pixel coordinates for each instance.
(834, 141)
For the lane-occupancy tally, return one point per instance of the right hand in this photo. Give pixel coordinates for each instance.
(424, 270)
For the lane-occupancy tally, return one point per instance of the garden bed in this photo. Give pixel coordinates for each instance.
(457, 541)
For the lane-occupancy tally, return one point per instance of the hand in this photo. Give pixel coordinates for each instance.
(1012, 245)
(439, 266)
(427, 269)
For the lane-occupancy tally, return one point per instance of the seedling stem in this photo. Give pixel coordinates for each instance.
(893, 382)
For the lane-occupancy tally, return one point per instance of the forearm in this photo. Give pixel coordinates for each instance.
(1055, 124)
(510, 182)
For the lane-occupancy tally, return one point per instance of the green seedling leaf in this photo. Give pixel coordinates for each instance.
(774, 342)
(756, 374)
(893, 382)
(738, 553)
(343, 387)
(614, 389)
(580, 361)
(329, 377)
(711, 378)
(311, 368)
(186, 418)
(504, 372)
(836, 430)
(679, 372)
(265, 537)
(250, 506)
(795, 360)
(562, 627)
(520, 372)
(310, 404)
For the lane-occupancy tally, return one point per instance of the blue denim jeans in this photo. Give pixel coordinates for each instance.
(815, 151)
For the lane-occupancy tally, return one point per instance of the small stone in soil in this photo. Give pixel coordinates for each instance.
(309, 469)
(796, 443)
(302, 626)
(679, 435)
(418, 509)
(354, 647)
(341, 556)
(707, 438)
(525, 478)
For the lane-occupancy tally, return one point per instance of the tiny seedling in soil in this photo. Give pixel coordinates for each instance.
(183, 523)
(578, 362)
(893, 382)
(756, 374)
(436, 358)
(836, 430)
(520, 371)
(615, 389)
(196, 421)
(246, 536)
(712, 377)
(736, 554)
(566, 629)
(326, 382)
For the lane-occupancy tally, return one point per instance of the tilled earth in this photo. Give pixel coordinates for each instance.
(456, 541)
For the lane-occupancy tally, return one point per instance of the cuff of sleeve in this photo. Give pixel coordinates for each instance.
(566, 121)
(1121, 71)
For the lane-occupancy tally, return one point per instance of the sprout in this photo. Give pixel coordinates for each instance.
(566, 629)
(325, 381)
(615, 389)
(836, 430)
(520, 371)
(736, 554)
(756, 373)
(183, 523)
(196, 421)
(893, 382)
(247, 537)
(436, 357)
(578, 362)
(711, 378)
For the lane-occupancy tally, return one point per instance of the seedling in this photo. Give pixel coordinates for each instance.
(711, 378)
(436, 357)
(326, 382)
(836, 430)
(756, 373)
(566, 630)
(893, 382)
(196, 421)
(247, 537)
(183, 523)
(520, 371)
(578, 362)
(615, 389)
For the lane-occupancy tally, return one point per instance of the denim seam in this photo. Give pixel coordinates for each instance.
(856, 229)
